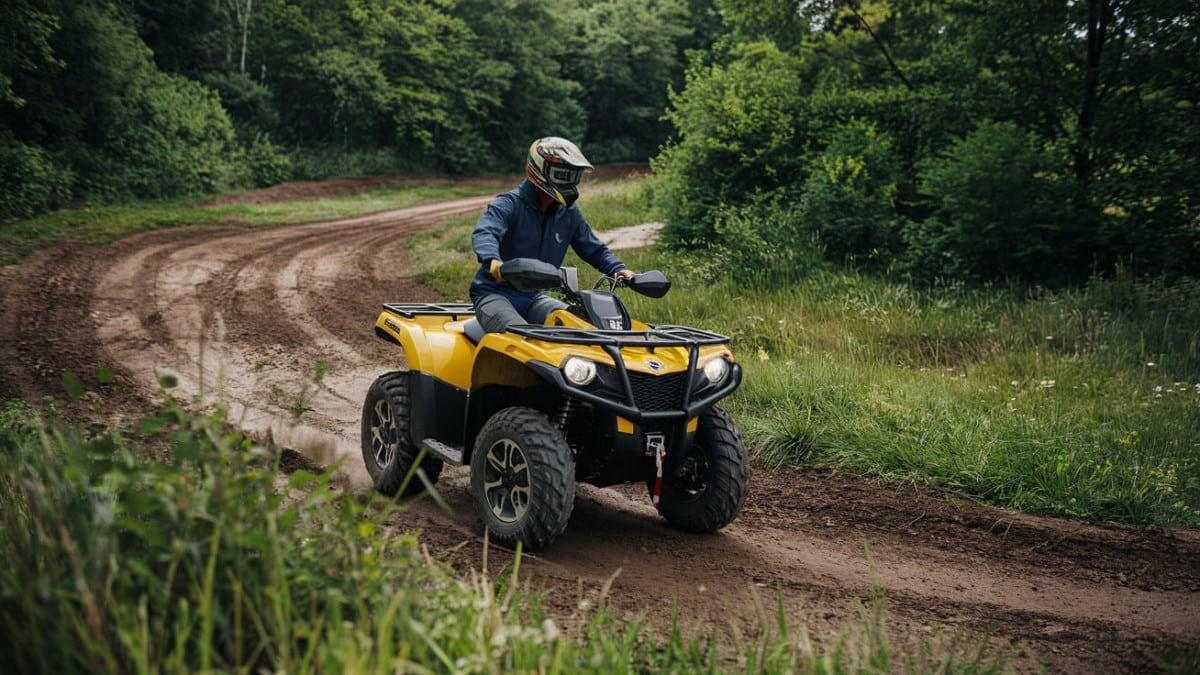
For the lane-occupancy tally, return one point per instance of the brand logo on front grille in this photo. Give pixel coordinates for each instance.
(655, 365)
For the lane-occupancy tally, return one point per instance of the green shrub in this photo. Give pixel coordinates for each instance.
(849, 197)
(168, 137)
(249, 104)
(33, 182)
(999, 210)
(736, 129)
(764, 245)
(266, 163)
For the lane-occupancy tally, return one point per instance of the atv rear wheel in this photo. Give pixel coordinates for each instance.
(709, 486)
(386, 448)
(523, 478)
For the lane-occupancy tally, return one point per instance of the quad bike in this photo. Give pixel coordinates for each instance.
(591, 396)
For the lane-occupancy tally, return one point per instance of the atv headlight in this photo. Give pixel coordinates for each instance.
(716, 370)
(578, 371)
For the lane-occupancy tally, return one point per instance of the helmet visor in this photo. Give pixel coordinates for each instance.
(562, 175)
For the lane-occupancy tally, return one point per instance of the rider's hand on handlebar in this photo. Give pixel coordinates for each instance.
(494, 269)
(623, 275)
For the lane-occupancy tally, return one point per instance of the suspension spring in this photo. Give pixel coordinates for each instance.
(565, 412)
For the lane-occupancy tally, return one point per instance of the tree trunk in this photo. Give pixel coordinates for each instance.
(245, 34)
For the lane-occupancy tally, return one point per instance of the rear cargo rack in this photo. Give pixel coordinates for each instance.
(408, 310)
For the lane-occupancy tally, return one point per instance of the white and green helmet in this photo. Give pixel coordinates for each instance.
(555, 166)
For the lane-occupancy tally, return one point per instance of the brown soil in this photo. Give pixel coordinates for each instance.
(244, 317)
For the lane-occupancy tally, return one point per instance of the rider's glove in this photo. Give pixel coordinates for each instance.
(494, 269)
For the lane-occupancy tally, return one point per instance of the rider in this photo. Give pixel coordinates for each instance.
(537, 219)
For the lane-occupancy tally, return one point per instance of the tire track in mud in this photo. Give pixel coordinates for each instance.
(243, 318)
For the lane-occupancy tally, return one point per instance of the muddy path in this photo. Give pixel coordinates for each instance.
(244, 317)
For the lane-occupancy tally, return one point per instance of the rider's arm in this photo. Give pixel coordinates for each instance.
(490, 230)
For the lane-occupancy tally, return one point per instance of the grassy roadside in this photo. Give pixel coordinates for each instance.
(1081, 403)
(102, 224)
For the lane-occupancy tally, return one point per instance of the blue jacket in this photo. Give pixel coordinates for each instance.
(514, 226)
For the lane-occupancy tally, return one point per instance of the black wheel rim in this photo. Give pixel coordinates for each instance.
(383, 434)
(506, 481)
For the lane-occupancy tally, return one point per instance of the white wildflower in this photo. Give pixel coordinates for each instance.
(1047, 384)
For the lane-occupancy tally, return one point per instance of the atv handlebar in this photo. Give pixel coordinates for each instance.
(531, 274)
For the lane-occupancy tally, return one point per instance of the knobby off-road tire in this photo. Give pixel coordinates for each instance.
(387, 450)
(522, 478)
(715, 473)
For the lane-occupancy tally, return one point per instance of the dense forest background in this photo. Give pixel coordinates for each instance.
(966, 140)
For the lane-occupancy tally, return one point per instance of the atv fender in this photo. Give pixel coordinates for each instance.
(431, 346)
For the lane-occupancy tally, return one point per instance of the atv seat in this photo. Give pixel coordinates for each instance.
(468, 327)
(473, 330)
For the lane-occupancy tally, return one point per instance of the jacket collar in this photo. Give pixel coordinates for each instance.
(529, 194)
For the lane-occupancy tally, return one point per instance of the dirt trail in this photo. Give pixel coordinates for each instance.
(245, 316)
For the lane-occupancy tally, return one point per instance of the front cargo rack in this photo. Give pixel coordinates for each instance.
(655, 336)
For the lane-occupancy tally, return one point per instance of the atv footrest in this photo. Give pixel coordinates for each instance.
(446, 453)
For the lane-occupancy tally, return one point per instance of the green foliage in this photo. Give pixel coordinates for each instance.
(998, 210)
(1074, 403)
(98, 120)
(33, 181)
(1026, 142)
(849, 197)
(266, 163)
(106, 101)
(761, 245)
(626, 57)
(201, 563)
(25, 31)
(168, 137)
(777, 21)
(737, 127)
(249, 104)
(524, 46)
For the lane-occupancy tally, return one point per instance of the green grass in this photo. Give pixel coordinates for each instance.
(116, 561)
(1080, 403)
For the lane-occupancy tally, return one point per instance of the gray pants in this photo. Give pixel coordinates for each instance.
(496, 313)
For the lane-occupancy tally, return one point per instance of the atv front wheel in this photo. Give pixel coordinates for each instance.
(386, 448)
(709, 485)
(523, 478)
